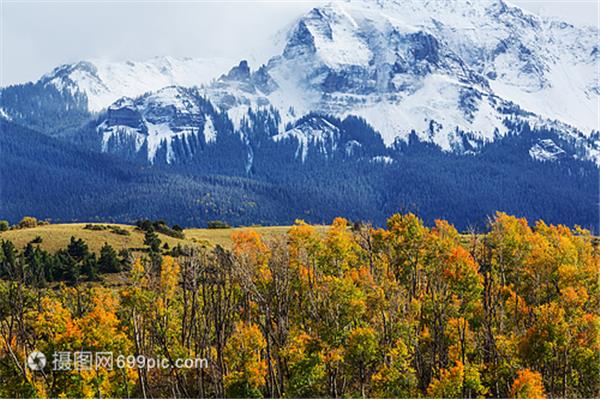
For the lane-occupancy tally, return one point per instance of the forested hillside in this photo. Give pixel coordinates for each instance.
(48, 178)
(52, 179)
(358, 311)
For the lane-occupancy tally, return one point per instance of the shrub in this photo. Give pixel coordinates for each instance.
(113, 228)
(119, 231)
(218, 225)
(93, 227)
(177, 228)
(38, 239)
(28, 222)
(160, 226)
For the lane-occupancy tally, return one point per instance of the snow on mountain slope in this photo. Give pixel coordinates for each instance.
(579, 106)
(312, 133)
(103, 82)
(546, 150)
(433, 111)
(414, 64)
(545, 66)
(355, 59)
(154, 121)
(344, 62)
(4, 115)
(436, 67)
(240, 89)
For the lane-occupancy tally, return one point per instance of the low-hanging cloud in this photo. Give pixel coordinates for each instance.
(39, 35)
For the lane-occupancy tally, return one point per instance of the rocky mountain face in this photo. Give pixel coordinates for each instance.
(439, 66)
(168, 121)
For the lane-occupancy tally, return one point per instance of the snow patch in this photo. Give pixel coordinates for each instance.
(210, 134)
(120, 134)
(546, 150)
(382, 159)
(4, 115)
(316, 133)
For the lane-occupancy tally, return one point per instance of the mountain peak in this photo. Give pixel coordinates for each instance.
(104, 81)
(239, 73)
(363, 57)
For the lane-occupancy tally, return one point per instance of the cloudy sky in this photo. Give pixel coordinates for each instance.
(38, 35)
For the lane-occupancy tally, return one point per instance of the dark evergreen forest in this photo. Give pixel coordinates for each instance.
(52, 178)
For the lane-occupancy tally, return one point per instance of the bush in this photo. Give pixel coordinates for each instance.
(93, 227)
(160, 226)
(144, 224)
(4, 226)
(38, 239)
(119, 231)
(218, 225)
(28, 222)
(113, 228)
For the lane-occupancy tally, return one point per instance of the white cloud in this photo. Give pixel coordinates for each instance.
(576, 12)
(39, 35)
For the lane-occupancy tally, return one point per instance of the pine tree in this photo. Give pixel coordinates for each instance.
(108, 261)
(151, 240)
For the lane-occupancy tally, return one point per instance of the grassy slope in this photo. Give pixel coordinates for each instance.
(57, 236)
(223, 236)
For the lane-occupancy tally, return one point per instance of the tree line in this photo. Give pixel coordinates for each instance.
(37, 268)
(400, 311)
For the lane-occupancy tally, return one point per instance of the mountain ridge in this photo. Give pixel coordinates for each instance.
(468, 68)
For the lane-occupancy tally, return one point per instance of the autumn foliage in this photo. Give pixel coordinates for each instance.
(528, 385)
(401, 311)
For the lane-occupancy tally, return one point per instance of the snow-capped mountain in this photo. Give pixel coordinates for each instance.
(103, 82)
(68, 96)
(452, 71)
(404, 64)
(452, 108)
(436, 68)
